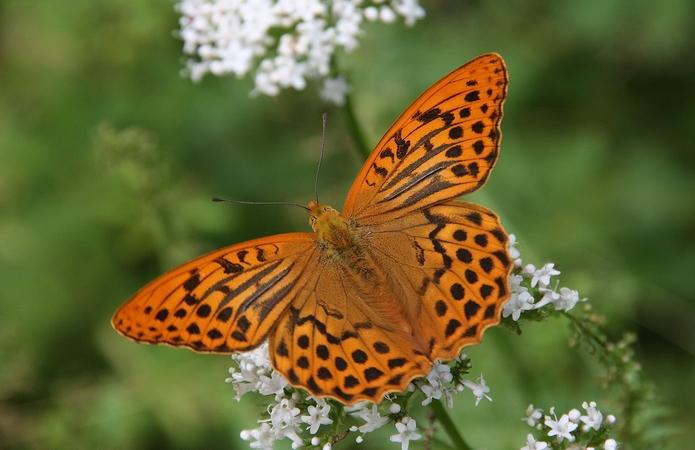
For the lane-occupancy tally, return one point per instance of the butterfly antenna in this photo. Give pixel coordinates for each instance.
(244, 202)
(324, 119)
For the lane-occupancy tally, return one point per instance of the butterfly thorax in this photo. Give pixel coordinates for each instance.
(333, 230)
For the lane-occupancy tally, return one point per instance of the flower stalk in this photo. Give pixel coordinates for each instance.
(449, 426)
(358, 138)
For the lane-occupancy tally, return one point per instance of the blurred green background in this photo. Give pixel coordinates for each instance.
(108, 159)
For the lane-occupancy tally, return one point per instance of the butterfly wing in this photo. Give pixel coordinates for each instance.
(227, 300)
(447, 260)
(444, 145)
(344, 338)
(453, 260)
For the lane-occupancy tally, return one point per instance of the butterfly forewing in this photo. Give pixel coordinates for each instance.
(224, 301)
(444, 145)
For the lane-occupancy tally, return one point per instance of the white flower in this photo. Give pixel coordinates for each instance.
(610, 419)
(528, 270)
(568, 298)
(282, 43)
(261, 437)
(258, 356)
(532, 444)
(284, 418)
(542, 276)
(272, 385)
(593, 418)
(406, 432)
(564, 300)
(533, 415)
(371, 13)
(348, 22)
(549, 296)
(436, 384)
(387, 15)
(480, 389)
(515, 283)
(334, 90)
(562, 428)
(410, 10)
(610, 444)
(371, 417)
(518, 302)
(513, 251)
(574, 415)
(318, 415)
(252, 373)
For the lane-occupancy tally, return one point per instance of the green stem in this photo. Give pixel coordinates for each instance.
(596, 338)
(599, 341)
(355, 130)
(448, 425)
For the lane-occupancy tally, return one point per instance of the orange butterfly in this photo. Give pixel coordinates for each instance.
(402, 277)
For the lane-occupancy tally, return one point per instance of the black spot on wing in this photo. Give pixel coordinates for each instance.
(192, 282)
(387, 153)
(470, 309)
(474, 217)
(451, 327)
(228, 266)
(381, 171)
(429, 115)
(401, 144)
(472, 96)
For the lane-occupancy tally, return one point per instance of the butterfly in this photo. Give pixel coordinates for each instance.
(404, 276)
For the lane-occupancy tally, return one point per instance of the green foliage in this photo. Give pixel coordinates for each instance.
(108, 159)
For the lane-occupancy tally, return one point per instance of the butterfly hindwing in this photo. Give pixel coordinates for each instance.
(227, 300)
(444, 145)
(333, 343)
(453, 256)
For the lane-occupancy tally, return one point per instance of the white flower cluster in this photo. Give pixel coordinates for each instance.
(440, 383)
(531, 287)
(406, 427)
(282, 42)
(298, 417)
(588, 430)
(254, 373)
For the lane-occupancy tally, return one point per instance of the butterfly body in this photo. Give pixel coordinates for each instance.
(404, 276)
(335, 234)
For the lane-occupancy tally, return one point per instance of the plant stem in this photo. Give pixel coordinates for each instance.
(598, 340)
(354, 126)
(448, 425)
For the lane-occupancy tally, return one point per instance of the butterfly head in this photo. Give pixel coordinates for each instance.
(332, 228)
(320, 216)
